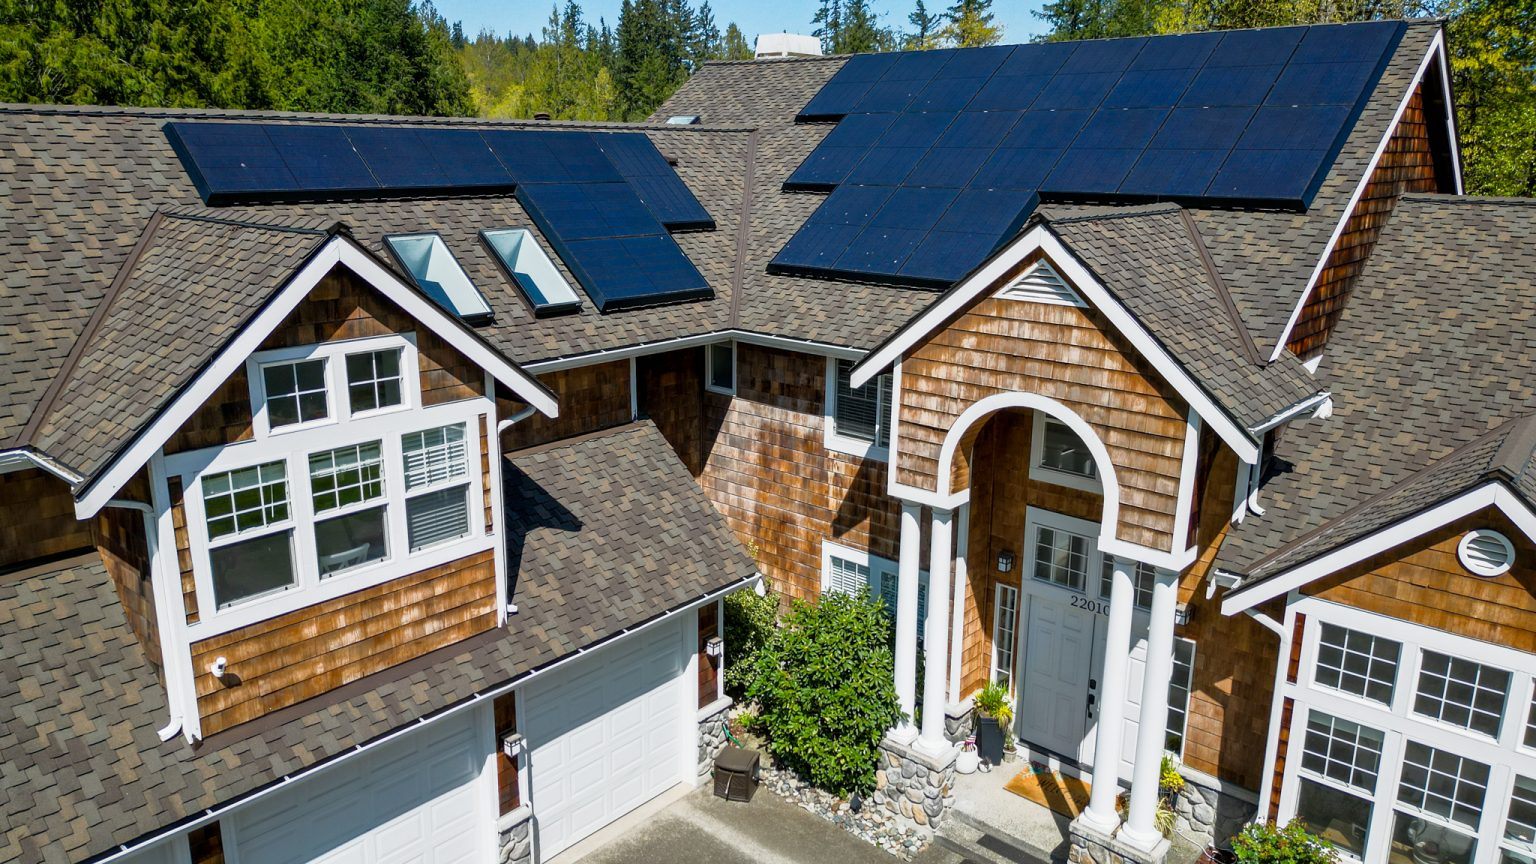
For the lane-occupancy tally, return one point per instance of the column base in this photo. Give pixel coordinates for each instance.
(903, 734)
(913, 786)
(1090, 845)
(512, 830)
(959, 721)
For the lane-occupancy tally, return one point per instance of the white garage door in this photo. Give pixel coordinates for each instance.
(415, 799)
(606, 735)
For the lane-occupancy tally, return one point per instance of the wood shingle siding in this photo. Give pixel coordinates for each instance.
(119, 536)
(1068, 354)
(285, 660)
(1407, 165)
(709, 672)
(671, 392)
(591, 398)
(1423, 581)
(183, 549)
(37, 518)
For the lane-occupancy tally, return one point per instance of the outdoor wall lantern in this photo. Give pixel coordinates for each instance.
(1181, 614)
(714, 646)
(1005, 561)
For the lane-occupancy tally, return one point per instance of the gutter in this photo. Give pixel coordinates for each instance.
(1320, 404)
(213, 813)
(22, 458)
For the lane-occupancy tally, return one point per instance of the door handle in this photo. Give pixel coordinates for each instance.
(1090, 700)
(1093, 683)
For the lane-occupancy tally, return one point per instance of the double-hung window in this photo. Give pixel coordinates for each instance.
(1518, 845)
(848, 571)
(1358, 663)
(296, 392)
(1461, 692)
(1439, 801)
(250, 532)
(436, 473)
(860, 416)
(347, 489)
(1340, 763)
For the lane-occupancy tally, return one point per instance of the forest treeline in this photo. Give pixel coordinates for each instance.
(400, 57)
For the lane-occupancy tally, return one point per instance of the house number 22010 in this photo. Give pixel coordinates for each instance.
(1081, 602)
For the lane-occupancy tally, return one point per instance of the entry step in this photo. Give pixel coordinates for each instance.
(978, 843)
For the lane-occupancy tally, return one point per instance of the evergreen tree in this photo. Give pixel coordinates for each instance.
(925, 26)
(829, 29)
(970, 25)
(736, 46)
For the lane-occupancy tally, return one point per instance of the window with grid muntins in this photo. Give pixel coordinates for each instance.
(1461, 692)
(862, 412)
(1521, 825)
(847, 577)
(1061, 557)
(434, 455)
(346, 475)
(1179, 687)
(1357, 663)
(1530, 724)
(1004, 636)
(295, 392)
(245, 499)
(1143, 578)
(1443, 784)
(1342, 750)
(373, 380)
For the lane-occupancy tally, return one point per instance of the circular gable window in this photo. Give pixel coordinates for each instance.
(1486, 552)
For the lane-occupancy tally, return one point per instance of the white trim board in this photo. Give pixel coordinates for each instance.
(1041, 239)
(1490, 494)
(1436, 49)
(339, 250)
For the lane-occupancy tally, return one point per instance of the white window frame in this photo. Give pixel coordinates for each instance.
(1397, 672)
(294, 446)
(709, 368)
(1036, 518)
(847, 445)
(1189, 695)
(256, 368)
(997, 625)
(287, 526)
(880, 569)
(1504, 715)
(1042, 473)
(1506, 756)
(406, 379)
(340, 402)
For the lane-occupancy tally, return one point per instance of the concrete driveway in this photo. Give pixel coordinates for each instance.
(702, 829)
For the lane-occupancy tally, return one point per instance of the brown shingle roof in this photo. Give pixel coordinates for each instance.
(81, 764)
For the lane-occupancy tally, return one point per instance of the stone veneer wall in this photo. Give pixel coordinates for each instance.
(514, 829)
(712, 733)
(1209, 813)
(914, 786)
(1088, 846)
(959, 721)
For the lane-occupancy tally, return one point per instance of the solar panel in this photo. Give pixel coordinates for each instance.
(228, 161)
(551, 157)
(404, 159)
(462, 157)
(847, 87)
(652, 178)
(320, 158)
(1241, 115)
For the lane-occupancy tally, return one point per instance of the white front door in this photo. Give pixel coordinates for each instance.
(606, 735)
(1058, 658)
(415, 799)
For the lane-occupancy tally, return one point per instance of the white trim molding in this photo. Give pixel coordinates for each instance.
(342, 251)
(1490, 494)
(1041, 239)
(22, 459)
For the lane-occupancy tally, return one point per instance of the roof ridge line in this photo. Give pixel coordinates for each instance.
(1156, 209)
(1244, 335)
(743, 230)
(1520, 444)
(92, 325)
(331, 226)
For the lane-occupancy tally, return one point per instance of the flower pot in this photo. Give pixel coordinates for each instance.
(989, 740)
(967, 762)
(1212, 855)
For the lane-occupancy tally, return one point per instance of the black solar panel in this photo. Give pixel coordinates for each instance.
(227, 161)
(1252, 115)
(654, 180)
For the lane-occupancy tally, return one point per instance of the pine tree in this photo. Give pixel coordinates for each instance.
(970, 25)
(736, 46)
(925, 27)
(829, 21)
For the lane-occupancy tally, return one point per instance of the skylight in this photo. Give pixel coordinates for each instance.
(439, 275)
(532, 271)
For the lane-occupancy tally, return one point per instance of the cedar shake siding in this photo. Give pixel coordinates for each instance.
(340, 307)
(1422, 581)
(1066, 353)
(1407, 165)
(285, 660)
(591, 398)
(37, 518)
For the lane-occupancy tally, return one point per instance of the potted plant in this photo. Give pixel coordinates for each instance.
(994, 716)
(968, 760)
(1170, 783)
(1265, 843)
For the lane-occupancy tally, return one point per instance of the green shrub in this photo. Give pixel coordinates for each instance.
(1169, 780)
(1264, 843)
(749, 624)
(826, 691)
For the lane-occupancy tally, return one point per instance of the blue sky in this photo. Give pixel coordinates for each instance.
(753, 16)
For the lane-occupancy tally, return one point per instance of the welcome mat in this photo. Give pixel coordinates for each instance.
(1038, 783)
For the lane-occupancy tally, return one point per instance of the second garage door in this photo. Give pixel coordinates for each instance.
(607, 733)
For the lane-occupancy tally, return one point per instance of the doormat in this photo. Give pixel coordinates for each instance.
(1061, 794)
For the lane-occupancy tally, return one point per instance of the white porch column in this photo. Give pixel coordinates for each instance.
(1140, 828)
(957, 619)
(909, 565)
(936, 636)
(1100, 813)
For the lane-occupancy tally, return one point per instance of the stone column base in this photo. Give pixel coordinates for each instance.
(1089, 845)
(959, 721)
(914, 786)
(516, 841)
(1210, 811)
(712, 739)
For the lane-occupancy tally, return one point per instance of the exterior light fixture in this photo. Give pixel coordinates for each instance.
(1181, 614)
(1005, 561)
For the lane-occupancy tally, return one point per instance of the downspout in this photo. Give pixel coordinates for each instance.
(515, 418)
(152, 549)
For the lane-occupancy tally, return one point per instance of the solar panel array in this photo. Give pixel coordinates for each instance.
(604, 200)
(938, 157)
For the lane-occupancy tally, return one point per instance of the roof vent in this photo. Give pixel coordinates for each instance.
(1486, 552)
(439, 275)
(531, 271)
(1042, 284)
(541, 115)
(684, 120)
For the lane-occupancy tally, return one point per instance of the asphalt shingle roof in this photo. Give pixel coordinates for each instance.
(80, 761)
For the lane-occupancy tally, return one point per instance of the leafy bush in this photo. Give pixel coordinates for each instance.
(749, 624)
(1264, 843)
(826, 691)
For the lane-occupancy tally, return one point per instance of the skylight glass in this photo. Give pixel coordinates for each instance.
(438, 273)
(532, 271)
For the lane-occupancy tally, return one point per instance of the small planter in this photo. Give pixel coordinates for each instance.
(989, 740)
(1213, 855)
(967, 762)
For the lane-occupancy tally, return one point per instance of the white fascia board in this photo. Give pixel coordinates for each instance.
(1067, 264)
(767, 340)
(21, 459)
(1491, 494)
(337, 250)
(1436, 48)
